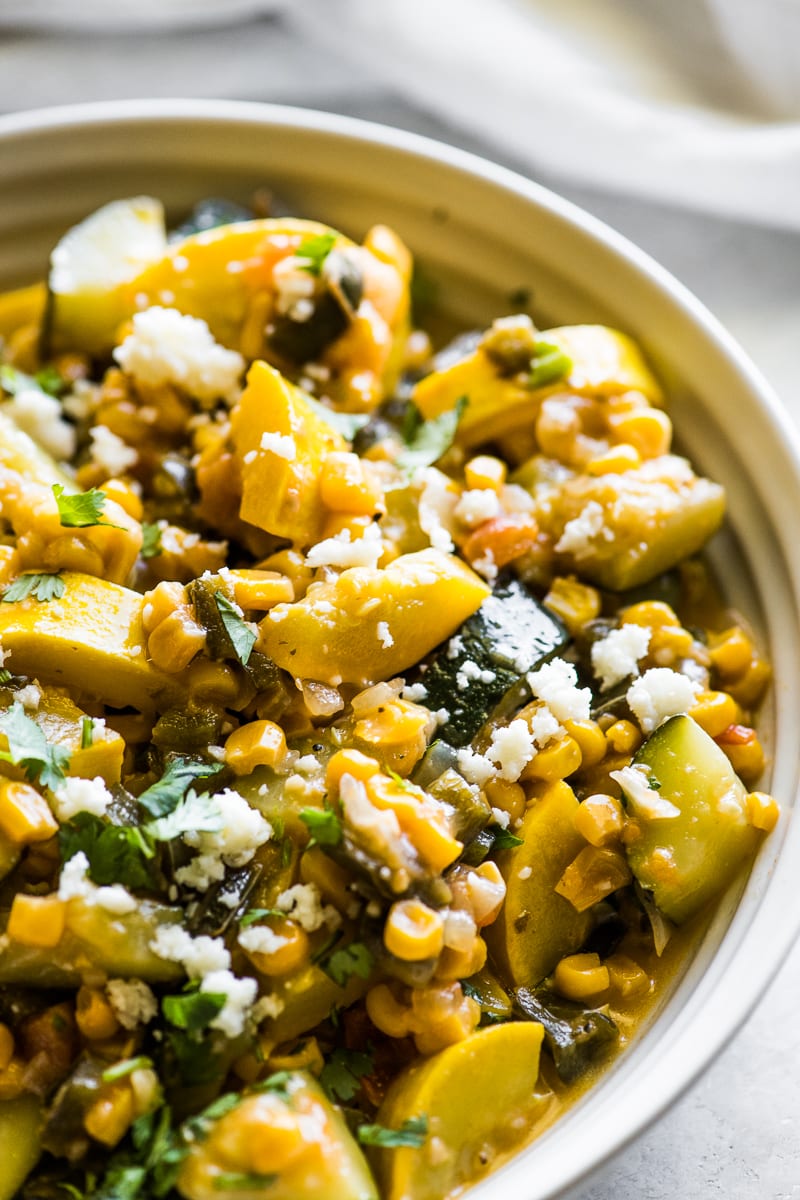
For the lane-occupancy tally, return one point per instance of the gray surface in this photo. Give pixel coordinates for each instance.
(736, 1133)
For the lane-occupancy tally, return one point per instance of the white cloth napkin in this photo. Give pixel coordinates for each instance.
(690, 102)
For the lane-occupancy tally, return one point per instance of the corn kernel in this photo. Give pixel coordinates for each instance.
(36, 920)
(749, 688)
(94, 1015)
(175, 641)
(292, 953)
(460, 964)
(731, 652)
(25, 816)
(626, 977)
(260, 590)
(349, 485)
(581, 977)
(161, 602)
(257, 744)
(556, 761)
(593, 875)
(485, 471)
(349, 762)
(600, 819)
(111, 1115)
(413, 932)
(620, 458)
(649, 430)
(574, 602)
(292, 564)
(590, 739)
(653, 614)
(744, 751)
(763, 811)
(338, 523)
(387, 1013)
(623, 737)
(509, 797)
(6, 1046)
(715, 711)
(125, 496)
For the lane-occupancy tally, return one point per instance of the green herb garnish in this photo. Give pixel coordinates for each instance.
(81, 510)
(87, 733)
(196, 814)
(323, 825)
(341, 1076)
(242, 637)
(165, 795)
(42, 586)
(412, 1133)
(314, 250)
(116, 853)
(549, 364)
(354, 959)
(504, 839)
(426, 441)
(193, 1011)
(28, 748)
(126, 1067)
(151, 540)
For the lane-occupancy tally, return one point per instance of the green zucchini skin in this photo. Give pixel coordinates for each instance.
(509, 635)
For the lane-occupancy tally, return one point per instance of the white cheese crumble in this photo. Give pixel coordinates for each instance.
(243, 831)
(240, 995)
(414, 692)
(501, 817)
(486, 566)
(342, 551)
(384, 635)
(469, 671)
(110, 452)
(616, 656)
(294, 288)
(267, 1006)
(281, 444)
(524, 873)
(30, 697)
(40, 416)
(303, 904)
(436, 508)
(556, 683)
(199, 956)
(261, 939)
(475, 768)
(580, 534)
(477, 505)
(544, 726)
(132, 1001)
(77, 795)
(74, 884)
(645, 801)
(511, 748)
(168, 347)
(659, 694)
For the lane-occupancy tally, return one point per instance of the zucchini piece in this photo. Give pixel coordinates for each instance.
(688, 858)
(509, 635)
(574, 1035)
(477, 1096)
(536, 927)
(317, 1156)
(20, 1139)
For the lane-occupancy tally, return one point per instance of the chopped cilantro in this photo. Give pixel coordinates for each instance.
(81, 510)
(341, 1076)
(151, 540)
(15, 381)
(400, 781)
(426, 441)
(5, 675)
(126, 1067)
(122, 1182)
(234, 1181)
(165, 795)
(549, 364)
(194, 1010)
(323, 825)
(116, 853)
(314, 250)
(347, 424)
(51, 381)
(197, 813)
(28, 748)
(412, 1133)
(87, 733)
(43, 586)
(242, 637)
(277, 1084)
(354, 959)
(259, 914)
(504, 839)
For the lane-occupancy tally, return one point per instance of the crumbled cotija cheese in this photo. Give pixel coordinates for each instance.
(580, 534)
(240, 995)
(74, 884)
(477, 505)
(436, 509)
(659, 694)
(243, 831)
(303, 904)
(132, 1001)
(511, 748)
(30, 697)
(616, 656)
(280, 444)
(475, 768)
(76, 795)
(544, 726)
(556, 683)
(343, 551)
(261, 939)
(384, 635)
(198, 956)
(109, 451)
(167, 346)
(40, 416)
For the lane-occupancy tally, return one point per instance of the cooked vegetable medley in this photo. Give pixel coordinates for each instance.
(367, 724)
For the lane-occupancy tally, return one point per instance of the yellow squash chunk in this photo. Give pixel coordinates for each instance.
(280, 485)
(63, 724)
(308, 996)
(91, 640)
(290, 1144)
(536, 926)
(21, 455)
(604, 362)
(21, 1123)
(479, 1097)
(632, 527)
(23, 306)
(332, 635)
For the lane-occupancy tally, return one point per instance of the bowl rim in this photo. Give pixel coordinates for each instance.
(767, 952)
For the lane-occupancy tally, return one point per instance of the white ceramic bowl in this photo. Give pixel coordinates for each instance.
(483, 232)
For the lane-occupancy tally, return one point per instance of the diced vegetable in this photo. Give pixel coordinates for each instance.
(573, 1034)
(473, 1094)
(281, 444)
(94, 749)
(20, 1139)
(687, 858)
(92, 640)
(21, 307)
(332, 634)
(509, 635)
(536, 926)
(20, 454)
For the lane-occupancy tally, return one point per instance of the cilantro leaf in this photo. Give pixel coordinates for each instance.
(412, 1133)
(81, 510)
(28, 748)
(341, 1076)
(549, 364)
(151, 540)
(347, 424)
(123, 1182)
(51, 381)
(504, 839)
(427, 441)
(258, 914)
(116, 853)
(354, 959)
(277, 1083)
(237, 1181)
(193, 1011)
(44, 586)
(197, 813)
(323, 825)
(314, 250)
(242, 637)
(165, 795)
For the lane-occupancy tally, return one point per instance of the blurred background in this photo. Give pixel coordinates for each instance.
(678, 122)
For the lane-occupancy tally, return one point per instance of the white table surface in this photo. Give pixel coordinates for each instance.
(736, 1134)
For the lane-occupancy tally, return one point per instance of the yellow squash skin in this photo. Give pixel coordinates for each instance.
(480, 1098)
(281, 495)
(332, 634)
(61, 721)
(20, 1142)
(91, 640)
(536, 926)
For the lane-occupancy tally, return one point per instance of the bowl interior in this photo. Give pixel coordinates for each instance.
(482, 234)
